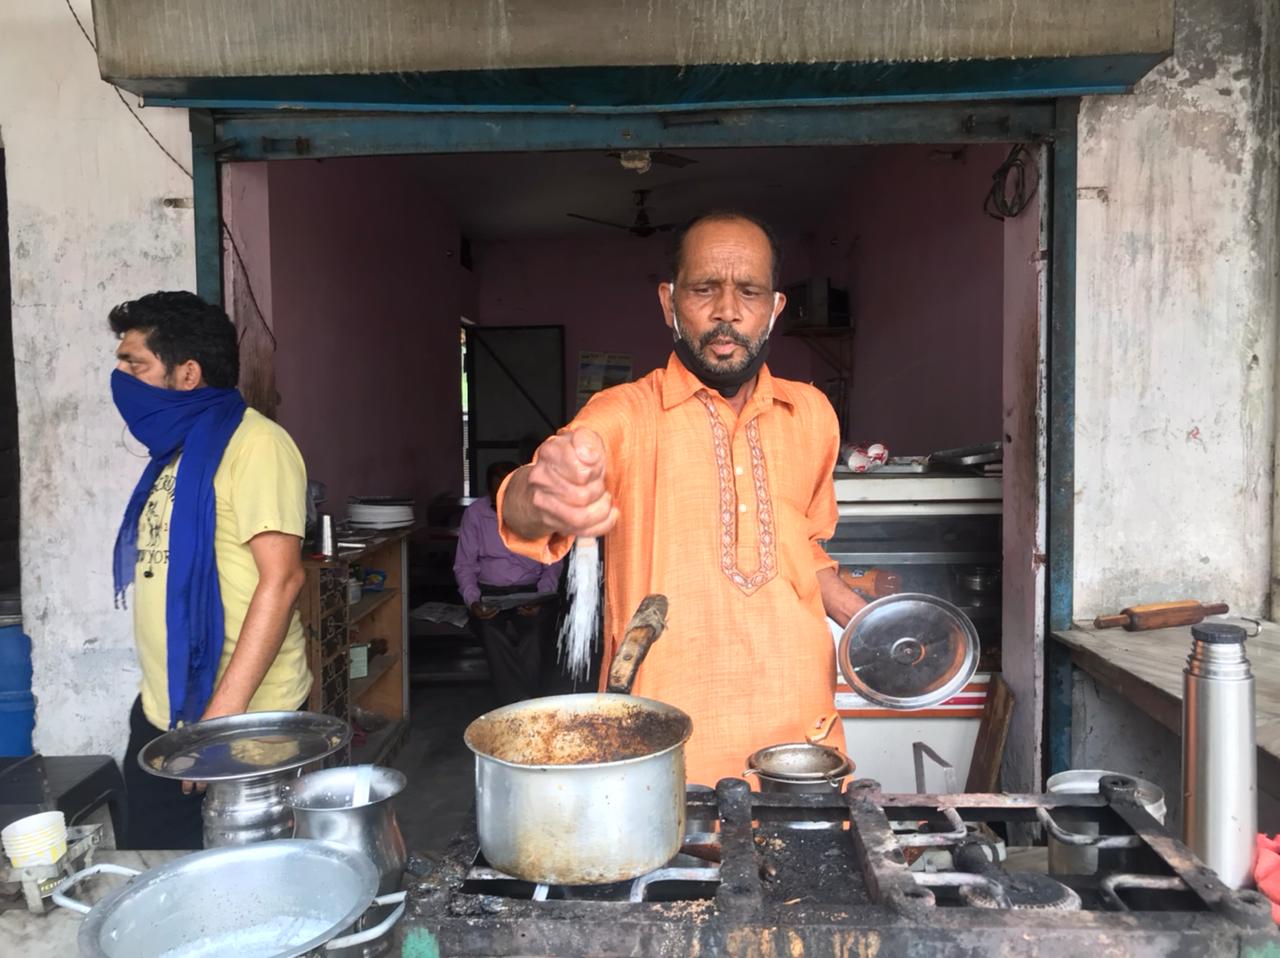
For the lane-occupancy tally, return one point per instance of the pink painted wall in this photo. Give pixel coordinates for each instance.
(365, 296)
(367, 293)
(604, 292)
(924, 266)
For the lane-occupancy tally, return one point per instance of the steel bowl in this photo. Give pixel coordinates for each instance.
(799, 767)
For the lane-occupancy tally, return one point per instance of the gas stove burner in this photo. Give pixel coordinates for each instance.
(1026, 892)
(1022, 891)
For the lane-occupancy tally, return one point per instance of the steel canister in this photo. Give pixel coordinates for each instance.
(1081, 859)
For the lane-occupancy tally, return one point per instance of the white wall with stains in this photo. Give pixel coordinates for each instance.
(87, 229)
(1176, 316)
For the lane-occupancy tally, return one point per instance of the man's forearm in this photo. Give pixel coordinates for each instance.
(518, 513)
(265, 624)
(839, 601)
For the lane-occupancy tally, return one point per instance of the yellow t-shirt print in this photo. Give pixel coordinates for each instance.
(260, 486)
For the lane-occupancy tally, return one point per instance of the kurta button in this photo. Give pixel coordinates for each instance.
(742, 507)
(737, 470)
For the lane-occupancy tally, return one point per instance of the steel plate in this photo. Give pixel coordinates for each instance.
(239, 746)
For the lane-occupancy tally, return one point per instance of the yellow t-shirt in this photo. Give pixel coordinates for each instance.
(260, 486)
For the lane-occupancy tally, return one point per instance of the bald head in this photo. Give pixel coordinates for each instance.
(752, 228)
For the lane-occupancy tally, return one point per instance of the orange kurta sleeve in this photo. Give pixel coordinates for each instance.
(823, 514)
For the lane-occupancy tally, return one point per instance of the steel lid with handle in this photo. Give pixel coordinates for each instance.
(908, 651)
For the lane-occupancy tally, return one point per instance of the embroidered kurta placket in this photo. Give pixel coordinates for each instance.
(747, 566)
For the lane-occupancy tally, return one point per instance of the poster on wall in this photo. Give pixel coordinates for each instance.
(597, 371)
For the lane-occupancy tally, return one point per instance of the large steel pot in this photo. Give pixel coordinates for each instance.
(277, 899)
(584, 789)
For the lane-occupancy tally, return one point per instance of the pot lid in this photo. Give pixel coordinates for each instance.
(908, 651)
(800, 762)
(244, 746)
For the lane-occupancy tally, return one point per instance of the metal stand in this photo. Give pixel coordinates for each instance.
(38, 881)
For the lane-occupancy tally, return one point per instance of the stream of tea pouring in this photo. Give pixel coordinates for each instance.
(577, 633)
(582, 587)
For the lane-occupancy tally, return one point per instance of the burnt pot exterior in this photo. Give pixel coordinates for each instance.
(586, 823)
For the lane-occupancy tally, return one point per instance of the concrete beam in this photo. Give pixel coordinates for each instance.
(239, 38)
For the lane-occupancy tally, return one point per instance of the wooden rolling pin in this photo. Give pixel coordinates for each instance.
(1161, 615)
(873, 584)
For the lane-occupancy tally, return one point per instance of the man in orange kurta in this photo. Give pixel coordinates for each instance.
(710, 481)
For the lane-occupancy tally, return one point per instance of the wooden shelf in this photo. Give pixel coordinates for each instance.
(379, 665)
(332, 626)
(380, 745)
(370, 604)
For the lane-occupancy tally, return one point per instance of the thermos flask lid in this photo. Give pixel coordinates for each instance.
(1218, 633)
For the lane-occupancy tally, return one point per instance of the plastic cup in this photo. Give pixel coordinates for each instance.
(36, 840)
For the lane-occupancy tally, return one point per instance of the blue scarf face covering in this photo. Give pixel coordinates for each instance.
(198, 423)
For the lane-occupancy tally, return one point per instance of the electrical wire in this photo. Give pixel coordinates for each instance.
(1011, 187)
(248, 284)
(235, 247)
(120, 96)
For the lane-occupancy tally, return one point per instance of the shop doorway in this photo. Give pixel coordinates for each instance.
(942, 343)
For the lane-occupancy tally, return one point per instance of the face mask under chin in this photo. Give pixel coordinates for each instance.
(725, 382)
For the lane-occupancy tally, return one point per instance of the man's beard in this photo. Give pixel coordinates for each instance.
(724, 331)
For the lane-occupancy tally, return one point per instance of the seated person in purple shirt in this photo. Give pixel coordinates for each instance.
(484, 567)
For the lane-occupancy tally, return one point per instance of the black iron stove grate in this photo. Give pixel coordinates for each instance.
(846, 887)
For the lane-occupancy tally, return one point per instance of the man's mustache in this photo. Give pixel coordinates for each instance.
(723, 331)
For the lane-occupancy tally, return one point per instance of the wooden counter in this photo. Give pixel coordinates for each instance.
(1146, 668)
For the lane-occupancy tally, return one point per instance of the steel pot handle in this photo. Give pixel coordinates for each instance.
(101, 868)
(378, 930)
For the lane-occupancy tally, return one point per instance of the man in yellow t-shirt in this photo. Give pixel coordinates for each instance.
(211, 542)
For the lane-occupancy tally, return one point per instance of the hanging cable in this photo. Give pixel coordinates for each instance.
(1012, 186)
(231, 240)
(120, 96)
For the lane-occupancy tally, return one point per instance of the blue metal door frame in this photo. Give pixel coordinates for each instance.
(222, 136)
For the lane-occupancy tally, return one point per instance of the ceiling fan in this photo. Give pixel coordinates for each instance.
(642, 226)
(641, 161)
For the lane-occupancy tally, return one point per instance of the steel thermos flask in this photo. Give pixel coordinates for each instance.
(1219, 759)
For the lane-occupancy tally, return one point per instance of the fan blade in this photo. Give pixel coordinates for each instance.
(671, 159)
(645, 230)
(592, 219)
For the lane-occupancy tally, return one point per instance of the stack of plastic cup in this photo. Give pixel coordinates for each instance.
(36, 840)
